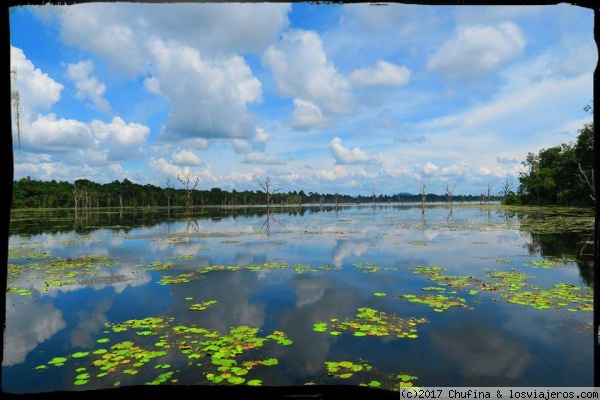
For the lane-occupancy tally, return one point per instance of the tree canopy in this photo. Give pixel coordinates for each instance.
(560, 175)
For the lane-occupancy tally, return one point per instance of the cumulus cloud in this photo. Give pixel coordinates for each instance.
(186, 157)
(209, 96)
(37, 91)
(88, 87)
(301, 69)
(256, 143)
(119, 32)
(430, 169)
(307, 115)
(116, 140)
(48, 133)
(122, 139)
(194, 66)
(458, 169)
(345, 155)
(383, 74)
(475, 50)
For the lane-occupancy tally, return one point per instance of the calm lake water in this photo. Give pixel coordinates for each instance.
(476, 295)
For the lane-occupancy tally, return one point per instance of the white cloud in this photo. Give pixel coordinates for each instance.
(128, 135)
(307, 115)
(164, 167)
(484, 171)
(477, 49)
(256, 143)
(430, 169)
(240, 177)
(209, 97)
(186, 157)
(120, 31)
(301, 69)
(384, 74)
(49, 133)
(345, 155)
(88, 87)
(37, 91)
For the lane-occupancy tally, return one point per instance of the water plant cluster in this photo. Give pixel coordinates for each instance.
(370, 322)
(220, 358)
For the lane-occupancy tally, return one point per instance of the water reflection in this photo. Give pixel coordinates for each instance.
(286, 269)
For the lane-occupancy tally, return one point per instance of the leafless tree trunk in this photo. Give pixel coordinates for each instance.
(423, 186)
(78, 193)
(507, 186)
(168, 192)
(589, 181)
(489, 190)
(266, 184)
(189, 187)
(449, 191)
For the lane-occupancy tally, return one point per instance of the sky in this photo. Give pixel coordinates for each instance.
(347, 98)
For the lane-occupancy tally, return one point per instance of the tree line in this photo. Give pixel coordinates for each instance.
(86, 194)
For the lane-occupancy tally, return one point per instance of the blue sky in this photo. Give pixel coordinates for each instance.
(346, 98)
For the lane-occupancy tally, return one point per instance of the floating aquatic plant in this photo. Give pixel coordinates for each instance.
(202, 306)
(181, 278)
(224, 358)
(438, 302)
(302, 268)
(370, 322)
(367, 267)
(27, 252)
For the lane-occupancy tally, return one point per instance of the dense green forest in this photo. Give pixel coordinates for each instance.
(560, 175)
(29, 193)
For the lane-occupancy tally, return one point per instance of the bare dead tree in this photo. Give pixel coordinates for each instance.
(507, 186)
(489, 189)
(423, 186)
(78, 193)
(168, 192)
(266, 184)
(450, 191)
(15, 98)
(186, 181)
(589, 181)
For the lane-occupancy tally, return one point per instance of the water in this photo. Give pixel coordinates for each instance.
(238, 296)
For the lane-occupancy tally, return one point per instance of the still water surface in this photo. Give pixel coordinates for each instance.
(476, 295)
